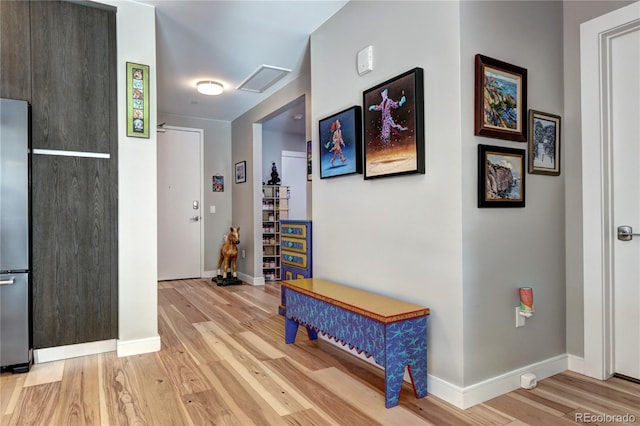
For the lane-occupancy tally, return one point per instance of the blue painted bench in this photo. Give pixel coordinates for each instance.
(394, 333)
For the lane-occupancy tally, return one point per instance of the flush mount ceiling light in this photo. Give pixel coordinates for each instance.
(210, 87)
(263, 78)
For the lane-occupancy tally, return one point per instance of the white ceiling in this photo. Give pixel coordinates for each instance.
(227, 41)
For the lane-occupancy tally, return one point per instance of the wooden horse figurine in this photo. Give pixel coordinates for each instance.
(229, 257)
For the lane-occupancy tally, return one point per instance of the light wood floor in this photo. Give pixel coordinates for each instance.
(224, 362)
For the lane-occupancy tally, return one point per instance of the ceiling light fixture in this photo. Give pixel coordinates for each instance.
(210, 87)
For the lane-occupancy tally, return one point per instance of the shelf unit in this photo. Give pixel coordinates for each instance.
(275, 206)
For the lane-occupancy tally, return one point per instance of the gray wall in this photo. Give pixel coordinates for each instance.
(247, 195)
(216, 160)
(508, 248)
(575, 13)
(398, 236)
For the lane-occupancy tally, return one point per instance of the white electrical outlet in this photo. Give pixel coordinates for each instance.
(212, 209)
(244, 254)
(521, 321)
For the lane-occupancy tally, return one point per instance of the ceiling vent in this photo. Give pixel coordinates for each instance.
(263, 78)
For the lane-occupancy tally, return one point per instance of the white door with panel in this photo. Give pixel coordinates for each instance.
(625, 131)
(610, 51)
(179, 203)
(294, 175)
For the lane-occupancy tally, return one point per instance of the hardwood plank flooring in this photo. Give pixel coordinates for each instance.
(224, 362)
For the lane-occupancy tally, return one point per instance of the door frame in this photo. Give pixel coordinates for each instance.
(201, 172)
(597, 186)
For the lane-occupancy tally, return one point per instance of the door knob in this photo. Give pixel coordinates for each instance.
(195, 218)
(625, 233)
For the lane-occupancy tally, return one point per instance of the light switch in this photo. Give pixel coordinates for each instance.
(212, 209)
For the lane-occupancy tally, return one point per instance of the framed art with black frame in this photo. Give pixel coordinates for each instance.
(394, 126)
(544, 143)
(241, 172)
(501, 176)
(500, 100)
(341, 143)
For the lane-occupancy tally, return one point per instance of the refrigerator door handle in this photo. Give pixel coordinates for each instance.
(8, 282)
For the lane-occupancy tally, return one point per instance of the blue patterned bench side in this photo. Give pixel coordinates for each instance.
(359, 332)
(406, 343)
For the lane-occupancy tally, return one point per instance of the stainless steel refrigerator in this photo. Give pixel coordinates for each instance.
(15, 290)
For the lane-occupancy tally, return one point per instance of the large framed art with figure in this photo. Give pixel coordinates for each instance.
(394, 126)
(341, 143)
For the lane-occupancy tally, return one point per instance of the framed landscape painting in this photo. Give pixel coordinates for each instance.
(394, 126)
(341, 143)
(544, 143)
(501, 177)
(500, 100)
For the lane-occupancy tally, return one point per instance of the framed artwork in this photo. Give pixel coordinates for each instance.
(241, 172)
(500, 100)
(217, 184)
(137, 100)
(501, 177)
(309, 169)
(394, 126)
(544, 143)
(340, 142)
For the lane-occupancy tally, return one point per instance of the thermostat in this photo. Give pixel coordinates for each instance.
(365, 60)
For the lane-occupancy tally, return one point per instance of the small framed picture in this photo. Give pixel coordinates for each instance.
(138, 100)
(544, 143)
(501, 176)
(340, 141)
(309, 155)
(500, 100)
(394, 126)
(241, 172)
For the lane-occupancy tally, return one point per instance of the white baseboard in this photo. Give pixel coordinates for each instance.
(576, 364)
(138, 346)
(208, 274)
(251, 280)
(57, 353)
(483, 391)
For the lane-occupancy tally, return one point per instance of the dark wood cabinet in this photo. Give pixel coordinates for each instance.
(74, 273)
(15, 50)
(74, 191)
(73, 58)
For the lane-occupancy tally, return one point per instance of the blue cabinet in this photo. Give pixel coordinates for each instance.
(295, 251)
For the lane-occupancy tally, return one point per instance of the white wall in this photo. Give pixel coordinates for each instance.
(508, 248)
(398, 236)
(137, 190)
(575, 13)
(216, 161)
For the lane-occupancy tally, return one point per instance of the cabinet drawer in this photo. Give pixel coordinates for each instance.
(294, 244)
(294, 230)
(294, 259)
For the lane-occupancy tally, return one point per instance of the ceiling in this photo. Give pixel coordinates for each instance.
(227, 41)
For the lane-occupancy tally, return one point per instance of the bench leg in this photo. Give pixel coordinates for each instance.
(418, 373)
(393, 375)
(290, 330)
(313, 335)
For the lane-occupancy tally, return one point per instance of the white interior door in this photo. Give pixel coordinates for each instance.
(179, 203)
(294, 175)
(610, 66)
(625, 131)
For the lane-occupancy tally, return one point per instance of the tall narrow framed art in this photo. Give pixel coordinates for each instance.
(137, 100)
